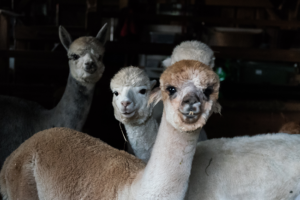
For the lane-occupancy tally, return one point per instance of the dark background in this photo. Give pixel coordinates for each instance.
(260, 90)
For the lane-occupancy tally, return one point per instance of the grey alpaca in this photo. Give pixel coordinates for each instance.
(20, 119)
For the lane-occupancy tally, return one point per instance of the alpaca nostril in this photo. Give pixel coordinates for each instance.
(190, 99)
(90, 67)
(194, 107)
(125, 103)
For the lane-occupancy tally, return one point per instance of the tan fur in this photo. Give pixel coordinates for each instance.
(290, 127)
(177, 75)
(202, 76)
(63, 164)
(53, 155)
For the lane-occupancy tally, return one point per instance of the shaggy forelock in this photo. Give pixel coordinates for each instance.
(85, 42)
(188, 70)
(130, 76)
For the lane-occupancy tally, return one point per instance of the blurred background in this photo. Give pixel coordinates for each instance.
(256, 45)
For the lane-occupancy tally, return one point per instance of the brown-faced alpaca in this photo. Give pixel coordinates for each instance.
(20, 119)
(64, 164)
(290, 127)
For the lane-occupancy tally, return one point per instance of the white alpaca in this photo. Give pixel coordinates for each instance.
(61, 163)
(20, 119)
(131, 88)
(191, 50)
(264, 167)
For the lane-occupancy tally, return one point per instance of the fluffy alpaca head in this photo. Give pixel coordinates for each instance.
(131, 88)
(290, 128)
(191, 50)
(85, 55)
(189, 90)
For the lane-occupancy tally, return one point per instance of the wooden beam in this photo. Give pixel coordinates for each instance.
(139, 48)
(240, 3)
(220, 52)
(34, 54)
(165, 19)
(258, 54)
(4, 44)
(45, 33)
(166, 49)
(3, 32)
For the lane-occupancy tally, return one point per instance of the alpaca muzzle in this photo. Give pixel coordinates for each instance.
(190, 105)
(90, 67)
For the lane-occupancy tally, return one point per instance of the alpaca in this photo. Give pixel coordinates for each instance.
(188, 50)
(131, 88)
(191, 50)
(258, 167)
(20, 119)
(291, 127)
(61, 163)
(222, 168)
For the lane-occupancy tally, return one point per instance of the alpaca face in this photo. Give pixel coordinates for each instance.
(131, 89)
(189, 90)
(130, 103)
(85, 55)
(85, 59)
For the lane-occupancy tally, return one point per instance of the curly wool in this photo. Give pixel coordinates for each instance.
(130, 76)
(191, 50)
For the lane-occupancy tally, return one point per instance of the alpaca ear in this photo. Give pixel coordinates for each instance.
(166, 63)
(101, 35)
(155, 96)
(65, 37)
(217, 108)
(152, 84)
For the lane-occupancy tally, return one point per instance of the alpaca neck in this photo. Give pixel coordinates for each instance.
(167, 173)
(142, 138)
(74, 106)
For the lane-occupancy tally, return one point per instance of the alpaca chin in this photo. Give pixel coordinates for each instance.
(85, 77)
(137, 119)
(187, 126)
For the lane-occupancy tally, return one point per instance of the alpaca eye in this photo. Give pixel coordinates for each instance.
(171, 89)
(74, 57)
(116, 93)
(100, 57)
(208, 91)
(142, 91)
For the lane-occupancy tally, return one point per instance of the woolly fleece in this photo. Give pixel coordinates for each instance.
(191, 50)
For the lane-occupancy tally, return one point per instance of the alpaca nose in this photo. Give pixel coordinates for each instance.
(90, 67)
(125, 103)
(190, 99)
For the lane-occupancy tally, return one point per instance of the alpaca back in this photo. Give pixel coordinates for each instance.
(67, 164)
(17, 117)
(259, 167)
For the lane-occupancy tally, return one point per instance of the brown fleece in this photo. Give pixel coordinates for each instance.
(65, 164)
(290, 127)
(180, 72)
(203, 76)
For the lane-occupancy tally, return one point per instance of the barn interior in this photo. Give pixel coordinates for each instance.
(256, 44)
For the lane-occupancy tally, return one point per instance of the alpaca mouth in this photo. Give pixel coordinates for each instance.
(128, 114)
(190, 114)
